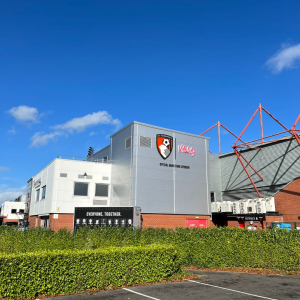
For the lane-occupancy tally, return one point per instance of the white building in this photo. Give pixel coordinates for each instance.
(64, 184)
(12, 211)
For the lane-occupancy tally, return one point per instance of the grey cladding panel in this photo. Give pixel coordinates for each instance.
(159, 188)
(121, 169)
(215, 176)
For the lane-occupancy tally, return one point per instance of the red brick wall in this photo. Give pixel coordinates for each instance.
(171, 221)
(32, 221)
(269, 219)
(64, 220)
(10, 220)
(287, 202)
(232, 223)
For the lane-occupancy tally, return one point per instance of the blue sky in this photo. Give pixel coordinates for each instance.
(73, 72)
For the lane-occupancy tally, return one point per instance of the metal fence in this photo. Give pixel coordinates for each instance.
(284, 225)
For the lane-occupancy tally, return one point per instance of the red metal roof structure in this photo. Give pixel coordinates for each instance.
(254, 144)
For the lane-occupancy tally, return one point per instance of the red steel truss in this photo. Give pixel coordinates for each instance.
(219, 134)
(254, 144)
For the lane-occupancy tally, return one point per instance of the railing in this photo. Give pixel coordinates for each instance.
(284, 225)
(78, 158)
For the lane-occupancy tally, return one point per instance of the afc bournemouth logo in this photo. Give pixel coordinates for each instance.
(164, 144)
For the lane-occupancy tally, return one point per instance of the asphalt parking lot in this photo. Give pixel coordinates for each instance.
(211, 285)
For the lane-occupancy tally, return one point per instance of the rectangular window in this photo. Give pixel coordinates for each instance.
(63, 175)
(81, 189)
(105, 178)
(21, 211)
(43, 192)
(104, 158)
(101, 190)
(37, 195)
(13, 211)
(212, 197)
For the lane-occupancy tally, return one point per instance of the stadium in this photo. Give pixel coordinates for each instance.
(175, 180)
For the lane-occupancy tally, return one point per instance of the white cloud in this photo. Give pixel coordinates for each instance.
(93, 133)
(96, 118)
(12, 131)
(286, 58)
(25, 114)
(42, 139)
(4, 169)
(75, 125)
(10, 193)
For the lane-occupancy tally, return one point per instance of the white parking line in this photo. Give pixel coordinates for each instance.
(140, 294)
(219, 287)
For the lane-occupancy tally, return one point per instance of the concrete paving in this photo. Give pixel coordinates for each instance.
(210, 286)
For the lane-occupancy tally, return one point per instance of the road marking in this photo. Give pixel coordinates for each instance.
(140, 294)
(219, 287)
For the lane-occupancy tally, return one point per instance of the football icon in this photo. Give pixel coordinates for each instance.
(166, 142)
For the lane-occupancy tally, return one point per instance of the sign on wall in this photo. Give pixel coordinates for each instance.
(182, 148)
(106, 217)
(37, 183)
(164, 144)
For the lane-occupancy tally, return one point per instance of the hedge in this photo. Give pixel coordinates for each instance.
(207, 247)
(55, 272)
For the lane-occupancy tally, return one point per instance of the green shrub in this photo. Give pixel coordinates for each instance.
(54, 272)
(34, 239)
(207, 247)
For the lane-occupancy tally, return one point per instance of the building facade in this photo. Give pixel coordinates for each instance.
(278, 164)
(12, 212)
(64, 184)
(165, 172)
(173, 178)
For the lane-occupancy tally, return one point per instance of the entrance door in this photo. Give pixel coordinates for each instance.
(45, 222)
(196, 223)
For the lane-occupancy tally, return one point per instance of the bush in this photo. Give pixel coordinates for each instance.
(55, 272)
(34, 239)
(207, 247)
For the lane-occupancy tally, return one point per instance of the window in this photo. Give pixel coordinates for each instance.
(101, 190)
(128, 143)
(43, 192)
(105, 178)
(104, 158)
(13, 211)
(81, 189)
(37, 195)
(212, 197)
(21, 211)
(63, 175)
